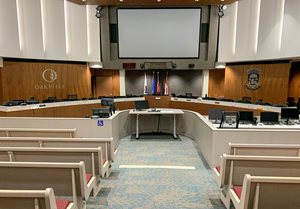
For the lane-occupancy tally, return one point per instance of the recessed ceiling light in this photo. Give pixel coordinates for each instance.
(158, 0)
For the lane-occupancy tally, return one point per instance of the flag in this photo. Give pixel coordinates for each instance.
(153, 84)
(167, 85)
(145, 84)
(157, 84)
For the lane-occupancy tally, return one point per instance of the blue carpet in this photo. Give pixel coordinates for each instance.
(158, 187)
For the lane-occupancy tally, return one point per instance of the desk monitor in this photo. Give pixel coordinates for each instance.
(246, 117)
(289, 113)
(105, 101)
(101, 112)
(269, 117)
(141, 105)
(215, 115)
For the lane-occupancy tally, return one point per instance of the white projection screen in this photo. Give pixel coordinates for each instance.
(159, 33)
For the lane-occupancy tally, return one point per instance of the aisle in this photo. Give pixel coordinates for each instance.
(154, 173)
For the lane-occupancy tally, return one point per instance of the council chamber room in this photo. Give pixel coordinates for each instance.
(149, 104)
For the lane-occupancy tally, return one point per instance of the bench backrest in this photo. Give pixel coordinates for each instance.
(16, 199)
(237, 166)
(271, 192)
(265, 149)
(67, 179)
(92, 157)
(37, 132)
(106, 144)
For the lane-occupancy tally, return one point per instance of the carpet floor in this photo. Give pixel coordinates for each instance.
(158, 173)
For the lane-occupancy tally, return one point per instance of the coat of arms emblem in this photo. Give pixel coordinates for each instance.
(253, 76)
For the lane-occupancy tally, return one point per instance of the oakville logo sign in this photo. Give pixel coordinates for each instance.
(49, 75)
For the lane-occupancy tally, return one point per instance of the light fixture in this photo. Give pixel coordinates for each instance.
(95, 65)
(98, 10)
(221, 10)
(220, 65)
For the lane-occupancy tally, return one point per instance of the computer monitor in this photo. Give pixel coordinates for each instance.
(141, 105)
(101, 112)
(269, 117)
(215, 115)
(105, 101)
(289, 113)
(246, 117)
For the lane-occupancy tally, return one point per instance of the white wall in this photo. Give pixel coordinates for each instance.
(260, 30)
(49, 29)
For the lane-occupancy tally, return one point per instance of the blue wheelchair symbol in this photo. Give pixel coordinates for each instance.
(100, 123)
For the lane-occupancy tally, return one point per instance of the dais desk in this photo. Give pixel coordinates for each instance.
(160, 111)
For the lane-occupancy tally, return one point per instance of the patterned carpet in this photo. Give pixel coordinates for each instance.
(158, 187)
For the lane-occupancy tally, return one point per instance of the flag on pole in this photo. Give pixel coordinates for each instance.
(167, 85)
(153, 84)
(157, 84)
(145, 84)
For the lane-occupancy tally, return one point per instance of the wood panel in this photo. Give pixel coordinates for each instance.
(23, 80)
(203, 108)
(158, 101)
(274, 82)
(114, 75)
(294, 88)
(216, 83)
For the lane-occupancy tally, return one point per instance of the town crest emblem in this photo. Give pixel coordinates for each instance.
(253, 76)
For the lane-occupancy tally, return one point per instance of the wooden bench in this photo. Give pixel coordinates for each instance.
(94, 162)
(264, 149)
(265, 192)
(108, 150)
(235, 167)
(292, 150)
(35, 199)
(37, 132)
(66, 179)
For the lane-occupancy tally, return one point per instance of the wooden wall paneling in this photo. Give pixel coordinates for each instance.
(273, 88)
(216, 83)
(44, 112)
(125, 105)
(110, 74)
(294, 81)
(276, 82)
(158, 101)
(23, 113)
(203, 108)
(233, 81)
(22, 80)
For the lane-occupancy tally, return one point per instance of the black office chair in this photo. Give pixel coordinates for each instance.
(291, 101)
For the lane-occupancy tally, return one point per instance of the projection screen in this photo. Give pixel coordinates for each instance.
(159, 33)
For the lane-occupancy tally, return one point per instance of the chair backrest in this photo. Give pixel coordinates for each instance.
(67, 179)
(271, 192)
(16, 199)
(92, 157)
(37, 132)
(292, 150)
(234, 167)
(106, 144)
